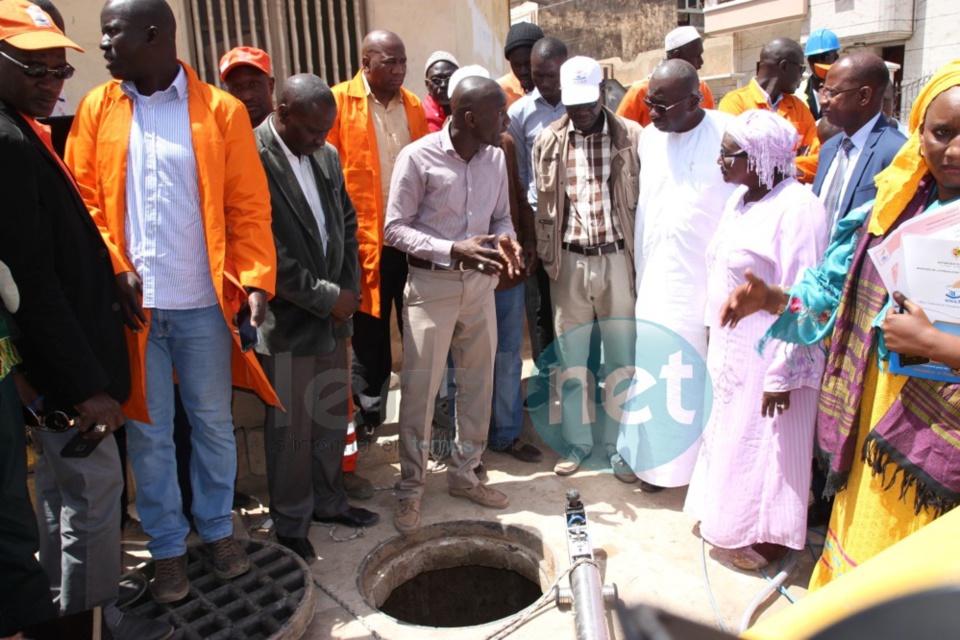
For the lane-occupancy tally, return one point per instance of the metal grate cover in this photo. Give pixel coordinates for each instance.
(275, 599)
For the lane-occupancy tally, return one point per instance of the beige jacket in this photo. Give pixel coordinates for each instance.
(550, 173)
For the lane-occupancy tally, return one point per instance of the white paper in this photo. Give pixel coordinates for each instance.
(932, 274)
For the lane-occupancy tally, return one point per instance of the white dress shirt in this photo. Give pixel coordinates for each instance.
(859, 140)
(303, 170)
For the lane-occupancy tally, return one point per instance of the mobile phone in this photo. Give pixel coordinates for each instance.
(79, 447)
(249, 336)
(907, 360)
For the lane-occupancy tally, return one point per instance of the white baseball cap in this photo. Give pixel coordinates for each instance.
(580, 79)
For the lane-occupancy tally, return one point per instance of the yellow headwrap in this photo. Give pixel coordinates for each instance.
(898, 183)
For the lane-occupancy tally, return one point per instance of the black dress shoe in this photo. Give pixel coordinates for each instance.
(646, 487)
(523, 451)
(300, 546)
(353, 517)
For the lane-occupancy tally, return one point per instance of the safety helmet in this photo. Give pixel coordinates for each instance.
(821, 41)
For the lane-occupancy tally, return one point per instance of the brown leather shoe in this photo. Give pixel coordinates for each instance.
(523, 451)
(750, 558)
(357, 487)
(229, 558)
(407, 516)
(170, 582)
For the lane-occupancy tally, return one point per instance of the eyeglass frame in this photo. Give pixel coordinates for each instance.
(830, 94)
(724, 156)
(663, 109)
(38, 71)
(42, 421)
(439, 81)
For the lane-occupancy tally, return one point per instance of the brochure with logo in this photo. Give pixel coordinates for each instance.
(931, 279)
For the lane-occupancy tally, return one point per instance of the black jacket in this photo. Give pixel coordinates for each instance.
(70, 324)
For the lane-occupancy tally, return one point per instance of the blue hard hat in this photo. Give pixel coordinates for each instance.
(821, 41)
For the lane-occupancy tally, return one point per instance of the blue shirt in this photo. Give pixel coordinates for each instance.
(164, 227)
(530, 115)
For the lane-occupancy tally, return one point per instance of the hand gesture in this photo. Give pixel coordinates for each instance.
(746, 299)
(512, 254)
(774, 403)
(476, 252)
(131, 293)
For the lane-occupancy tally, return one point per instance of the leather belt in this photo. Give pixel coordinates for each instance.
(596, 250)
(419, 263)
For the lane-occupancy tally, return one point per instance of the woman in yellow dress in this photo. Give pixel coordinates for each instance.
(890, 444)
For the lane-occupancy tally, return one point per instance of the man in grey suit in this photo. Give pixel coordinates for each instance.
(303, 345)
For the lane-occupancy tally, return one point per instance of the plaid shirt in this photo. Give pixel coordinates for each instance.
(590, 220)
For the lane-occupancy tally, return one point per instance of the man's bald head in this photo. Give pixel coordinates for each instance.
(780, 49)
(677, 73)
(781, 66)
(674, 96)
(376, 41)
(306, 90)
(471, 92)
(852, 92)
(549, 48)
(479, 109)
(146, 13)
(306, 113)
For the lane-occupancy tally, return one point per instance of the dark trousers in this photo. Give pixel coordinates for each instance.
(372, 355)
(539, 311)
(304, 446)
(24, 588)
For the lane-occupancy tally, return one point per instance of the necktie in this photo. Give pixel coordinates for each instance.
(832, 201)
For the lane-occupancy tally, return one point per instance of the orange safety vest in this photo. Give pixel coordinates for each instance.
(790, 107)
(234, 202)
(355, 138)
(632, 105)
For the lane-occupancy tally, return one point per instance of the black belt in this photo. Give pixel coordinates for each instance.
(456, 265)
(596, 250)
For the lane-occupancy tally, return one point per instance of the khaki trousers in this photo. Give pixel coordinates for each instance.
(588, 288)
(446, 311)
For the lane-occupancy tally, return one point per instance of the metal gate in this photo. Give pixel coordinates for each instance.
(301, 36)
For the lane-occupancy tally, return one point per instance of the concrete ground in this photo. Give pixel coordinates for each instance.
(643, 541)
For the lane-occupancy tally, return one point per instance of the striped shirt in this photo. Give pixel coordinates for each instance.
(437, 199)
(590, 220)
(164, 226)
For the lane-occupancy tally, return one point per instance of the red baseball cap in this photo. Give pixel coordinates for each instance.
(26, 26)
(249, 56)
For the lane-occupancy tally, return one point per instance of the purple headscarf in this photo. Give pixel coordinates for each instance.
(769, 141)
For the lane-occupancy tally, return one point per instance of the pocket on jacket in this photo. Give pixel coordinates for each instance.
(546, 243)
(547, 174)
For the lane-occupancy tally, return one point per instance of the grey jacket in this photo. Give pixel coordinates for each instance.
(308, 280)
(550, 173)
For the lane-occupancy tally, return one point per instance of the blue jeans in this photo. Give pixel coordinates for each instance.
(506, 420)
(196, 343)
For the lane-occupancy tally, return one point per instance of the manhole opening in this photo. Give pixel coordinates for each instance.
(457, 574)
(461, 597)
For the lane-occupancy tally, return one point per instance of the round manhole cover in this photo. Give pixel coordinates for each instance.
(457, 574)
(275, 599)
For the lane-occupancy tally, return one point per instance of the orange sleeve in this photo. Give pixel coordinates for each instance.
(707, 102)
(732, 103)
(632, 107)
(807, 127)
(333, 136)
(81, 158)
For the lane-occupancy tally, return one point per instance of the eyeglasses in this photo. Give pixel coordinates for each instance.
(729, 157)
(830, 94)
(663, 108)
(439, 80)
(587, 105)
(37, 70)
(801, 65)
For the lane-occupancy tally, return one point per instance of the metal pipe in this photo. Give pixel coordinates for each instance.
(588, 607)
(768, 588)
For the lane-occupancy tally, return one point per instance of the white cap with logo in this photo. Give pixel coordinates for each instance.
(580, 79)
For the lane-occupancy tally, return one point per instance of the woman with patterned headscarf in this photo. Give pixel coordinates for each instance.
(752, 477)
(888, 443)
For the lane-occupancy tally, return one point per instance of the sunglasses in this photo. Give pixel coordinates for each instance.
(728, 157)
(37, 70)
(663, 108)
(55, 421)
(439, 80)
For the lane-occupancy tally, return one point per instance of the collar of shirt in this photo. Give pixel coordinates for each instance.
(291, 156)
(446, 144)
(603, 131)
(176, 91)
(766, 96)
(397, 97)
(859, 139)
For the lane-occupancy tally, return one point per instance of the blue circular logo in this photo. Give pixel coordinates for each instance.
(620, 385)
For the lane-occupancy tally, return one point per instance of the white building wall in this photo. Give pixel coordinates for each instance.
(936, 38)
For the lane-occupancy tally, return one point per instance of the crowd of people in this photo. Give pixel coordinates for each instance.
(192, 240)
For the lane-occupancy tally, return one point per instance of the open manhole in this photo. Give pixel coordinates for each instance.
(275, 599)
(457, 574)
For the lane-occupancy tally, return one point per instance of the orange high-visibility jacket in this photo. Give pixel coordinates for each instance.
(790, 107)
(355, 138)
(632, 105)
(234, 202)
(512, 87)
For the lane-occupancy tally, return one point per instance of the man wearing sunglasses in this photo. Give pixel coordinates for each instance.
(72, 343)
(779, 73)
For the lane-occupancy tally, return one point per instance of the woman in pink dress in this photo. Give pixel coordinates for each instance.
(752, 478)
